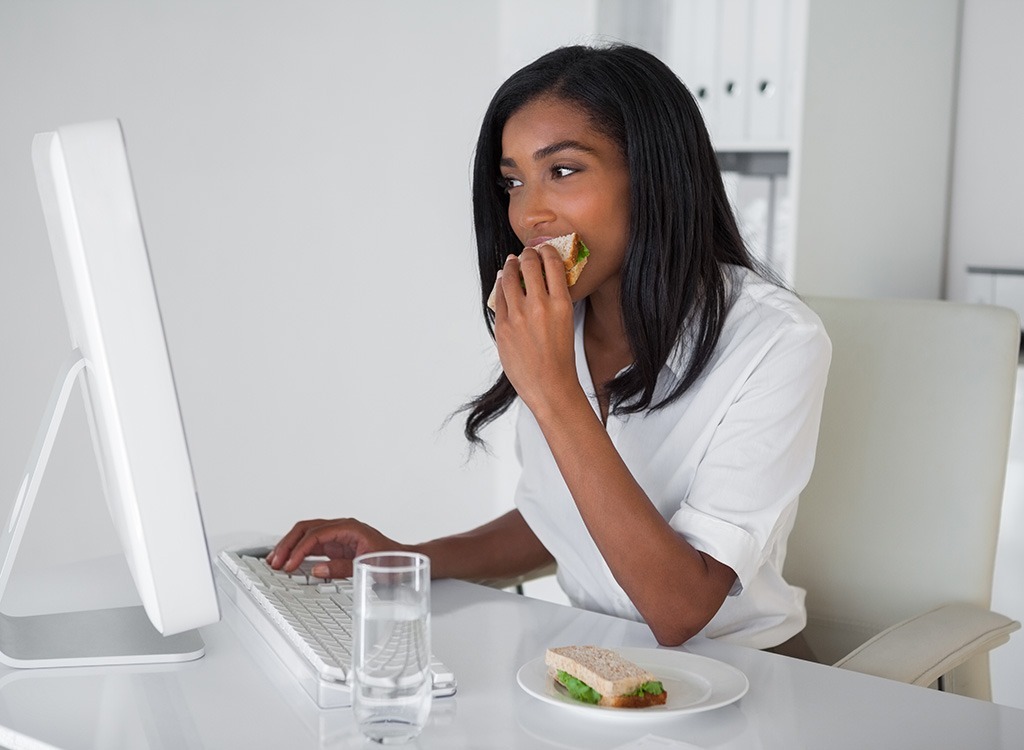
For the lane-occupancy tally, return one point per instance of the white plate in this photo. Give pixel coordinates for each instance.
(694, 683)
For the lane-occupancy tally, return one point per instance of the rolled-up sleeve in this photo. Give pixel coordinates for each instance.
(744, 491)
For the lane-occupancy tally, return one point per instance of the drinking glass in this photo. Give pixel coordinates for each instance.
(391, 691)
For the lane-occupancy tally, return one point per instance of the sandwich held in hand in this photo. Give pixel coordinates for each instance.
(574, 255)
(597, 675)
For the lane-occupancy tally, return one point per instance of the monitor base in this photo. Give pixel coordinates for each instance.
(100, 637)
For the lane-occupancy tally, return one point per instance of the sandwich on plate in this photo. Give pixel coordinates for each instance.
(600, 676)
(574, 256)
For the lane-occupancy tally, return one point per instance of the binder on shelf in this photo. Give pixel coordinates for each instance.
(768, 87)
(691, 50)
(733, 85)
(763, 211)
(739, 58)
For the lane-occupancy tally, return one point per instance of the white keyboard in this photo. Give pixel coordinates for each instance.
(306, 621)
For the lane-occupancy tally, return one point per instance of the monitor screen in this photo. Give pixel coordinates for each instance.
(124, 368)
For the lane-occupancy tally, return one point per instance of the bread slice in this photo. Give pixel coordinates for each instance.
(568, 248)
(606, 672)
(634, 701)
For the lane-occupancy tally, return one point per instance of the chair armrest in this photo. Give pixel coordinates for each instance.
(922, 649)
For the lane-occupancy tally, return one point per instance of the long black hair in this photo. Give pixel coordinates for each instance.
(681, 228)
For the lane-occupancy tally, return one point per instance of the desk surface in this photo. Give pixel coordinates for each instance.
(239, 696)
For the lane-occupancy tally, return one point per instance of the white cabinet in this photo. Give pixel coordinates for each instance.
(742, 61)
(855, 98)
(740, 58)
(690, 47)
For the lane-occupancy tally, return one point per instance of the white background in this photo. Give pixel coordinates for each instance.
(303, 171)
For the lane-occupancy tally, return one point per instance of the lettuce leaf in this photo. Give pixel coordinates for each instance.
(581, 691)
(578, 689)
(654, 688)
(583, 252)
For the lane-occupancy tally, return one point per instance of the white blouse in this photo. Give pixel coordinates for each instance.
(724, 464)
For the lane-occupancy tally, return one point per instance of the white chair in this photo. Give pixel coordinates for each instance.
(899, 521)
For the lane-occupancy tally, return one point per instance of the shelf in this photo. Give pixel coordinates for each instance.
(755, 163)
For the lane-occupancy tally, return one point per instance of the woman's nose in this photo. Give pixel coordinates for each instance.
(532, 208)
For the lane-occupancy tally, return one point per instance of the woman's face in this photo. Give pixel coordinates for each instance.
(564, 176)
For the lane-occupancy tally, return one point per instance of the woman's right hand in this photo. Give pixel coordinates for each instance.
(533, 329)
(341, 540)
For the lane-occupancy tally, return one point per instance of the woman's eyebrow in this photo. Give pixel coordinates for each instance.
(554, 148)
(566, 145)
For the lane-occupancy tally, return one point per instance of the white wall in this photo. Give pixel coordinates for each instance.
(986, 224)
(872, 178)
(303, 172)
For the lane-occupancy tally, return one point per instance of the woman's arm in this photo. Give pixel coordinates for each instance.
(676, 588)
(503, 548)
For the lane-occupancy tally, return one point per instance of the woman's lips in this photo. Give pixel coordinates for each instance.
(538, 241)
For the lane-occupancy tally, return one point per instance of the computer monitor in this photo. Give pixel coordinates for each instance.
(119, 354)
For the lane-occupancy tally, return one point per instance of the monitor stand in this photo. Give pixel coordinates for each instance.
(99, 637)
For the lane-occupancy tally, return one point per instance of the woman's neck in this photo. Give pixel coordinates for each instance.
(605, 346)
(604, 324)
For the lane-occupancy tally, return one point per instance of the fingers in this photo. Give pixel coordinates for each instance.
(310, 543)
(333, 569)
(554, 272)
(283, 549)
(341, 540)
(532, 270)
(539, 271)
(510, 290)
(496, 291)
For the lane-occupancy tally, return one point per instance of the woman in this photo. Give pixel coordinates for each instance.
(671, 396)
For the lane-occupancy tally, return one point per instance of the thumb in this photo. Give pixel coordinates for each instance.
(333, 569)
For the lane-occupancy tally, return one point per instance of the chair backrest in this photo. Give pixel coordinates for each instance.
(901, 513)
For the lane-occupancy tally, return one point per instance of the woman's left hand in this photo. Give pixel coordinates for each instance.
(533, 328)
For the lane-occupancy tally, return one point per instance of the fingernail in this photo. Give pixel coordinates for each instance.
(321, 571)
(498, 277)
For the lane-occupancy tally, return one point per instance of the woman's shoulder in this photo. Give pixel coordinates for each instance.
(763, 321)
(764, 313)
(765, 303)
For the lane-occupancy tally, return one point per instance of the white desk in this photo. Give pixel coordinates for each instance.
(238, 696)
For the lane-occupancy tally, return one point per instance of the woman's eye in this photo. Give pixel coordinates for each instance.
(509, 182)
(562, 171)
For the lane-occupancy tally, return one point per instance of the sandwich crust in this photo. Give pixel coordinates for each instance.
(606, 672)
(634, 701)
(573, 273)
(568, 248)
